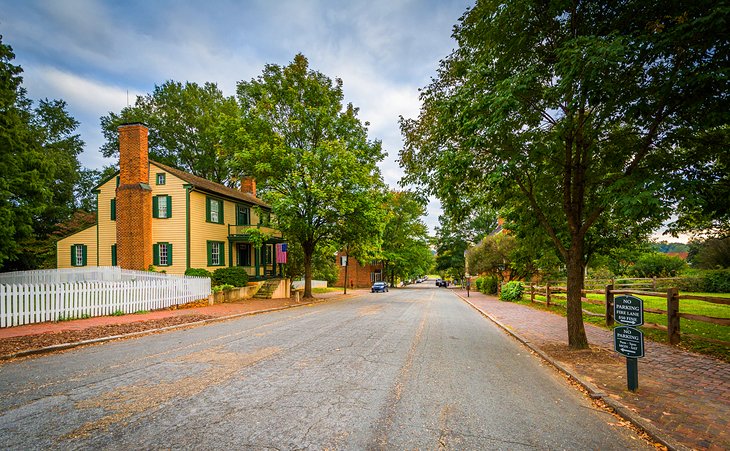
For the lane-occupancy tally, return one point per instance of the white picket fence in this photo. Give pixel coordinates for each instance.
(39, 302)
(91, 274)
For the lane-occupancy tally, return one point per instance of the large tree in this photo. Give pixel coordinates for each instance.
(455, 235)
(309, 153)
(39, 166)
(405, 251)
(572, 114)
(184, 119)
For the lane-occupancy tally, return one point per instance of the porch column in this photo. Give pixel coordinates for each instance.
(273, 260)
(256, 252)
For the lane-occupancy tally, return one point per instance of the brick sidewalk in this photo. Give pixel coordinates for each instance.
(685, 396)
(215, 311)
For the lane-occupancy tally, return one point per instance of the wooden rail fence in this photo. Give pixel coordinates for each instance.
(672, 296)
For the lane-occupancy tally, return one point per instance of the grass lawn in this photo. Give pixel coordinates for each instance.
(688, 327)
(326, 290)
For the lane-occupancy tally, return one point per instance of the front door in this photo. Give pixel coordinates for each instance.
(244, 254)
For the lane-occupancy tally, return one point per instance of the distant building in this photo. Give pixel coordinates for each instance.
(682, 255)
(359, 276)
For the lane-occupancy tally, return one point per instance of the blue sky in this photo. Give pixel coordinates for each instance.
(96, 54)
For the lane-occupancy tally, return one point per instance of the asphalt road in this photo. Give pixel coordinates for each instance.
(414, 368)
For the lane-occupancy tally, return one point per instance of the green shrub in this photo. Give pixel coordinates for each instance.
(490, 285)
(198, 272)
(658, 265)
(512, 291)
(717, 281)
(235, 276)
(478, 282)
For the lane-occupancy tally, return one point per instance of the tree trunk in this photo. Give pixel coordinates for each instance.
(307, 272)
(577, 338)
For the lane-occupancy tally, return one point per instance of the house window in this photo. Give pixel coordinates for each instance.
(214, 210)
(264, 218)
(243, 215)
(160, 179)
(162, 207)
(78, 255)
(216, 253)
(162, 253)
(117, 181)
(114, 209)
(114, 255)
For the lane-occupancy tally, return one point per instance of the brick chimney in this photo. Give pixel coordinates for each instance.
(134, 199)
(248, 185)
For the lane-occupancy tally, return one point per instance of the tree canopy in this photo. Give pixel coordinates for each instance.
(405, 252)
(573, 115)
(309, 153)
(39, 166)
(184, 120)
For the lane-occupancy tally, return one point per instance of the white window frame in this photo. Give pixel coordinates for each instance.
(79, 255)
(215, 251)
(163, 249)
(214, 204)
(162, 207)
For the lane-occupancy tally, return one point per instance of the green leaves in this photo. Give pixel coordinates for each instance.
(574, 116)
(184, 121)
(310, 155)
(39, 168)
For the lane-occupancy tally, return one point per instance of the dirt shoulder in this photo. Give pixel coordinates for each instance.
(39, 336)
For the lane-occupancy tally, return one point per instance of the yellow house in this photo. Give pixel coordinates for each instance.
(153, 214)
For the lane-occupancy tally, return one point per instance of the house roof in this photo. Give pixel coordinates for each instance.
(211, 187)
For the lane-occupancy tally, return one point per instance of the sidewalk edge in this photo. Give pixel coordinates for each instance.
(592, 390)
(64, 346)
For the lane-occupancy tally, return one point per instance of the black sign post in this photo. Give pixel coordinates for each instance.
(628, 341)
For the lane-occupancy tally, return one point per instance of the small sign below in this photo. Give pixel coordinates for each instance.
(628, 342)
(628, 310)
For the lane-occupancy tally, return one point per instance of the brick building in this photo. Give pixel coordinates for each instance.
(359, 276)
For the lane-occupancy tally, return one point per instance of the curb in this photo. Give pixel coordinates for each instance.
(592, 390)
(64, 346)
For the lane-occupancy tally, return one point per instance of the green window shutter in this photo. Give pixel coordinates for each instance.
(73, 255)
(207, 213)
(220, 211)
(210, 253)
(156, 254)
(155, 207)
(114, 255)
(83, 255)
(169, 206)
(114, 209)
(223, 253)
(169, 254)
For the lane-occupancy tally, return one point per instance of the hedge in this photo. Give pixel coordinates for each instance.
(236, 276)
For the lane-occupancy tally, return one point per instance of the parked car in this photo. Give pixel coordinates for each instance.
(378, 287)
(440, 283)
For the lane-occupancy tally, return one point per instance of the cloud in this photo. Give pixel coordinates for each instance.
(85, 95)
(91, 52)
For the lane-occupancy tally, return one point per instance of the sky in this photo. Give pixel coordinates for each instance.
(99, 55)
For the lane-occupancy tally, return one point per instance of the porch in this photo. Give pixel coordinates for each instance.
(260, 262)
